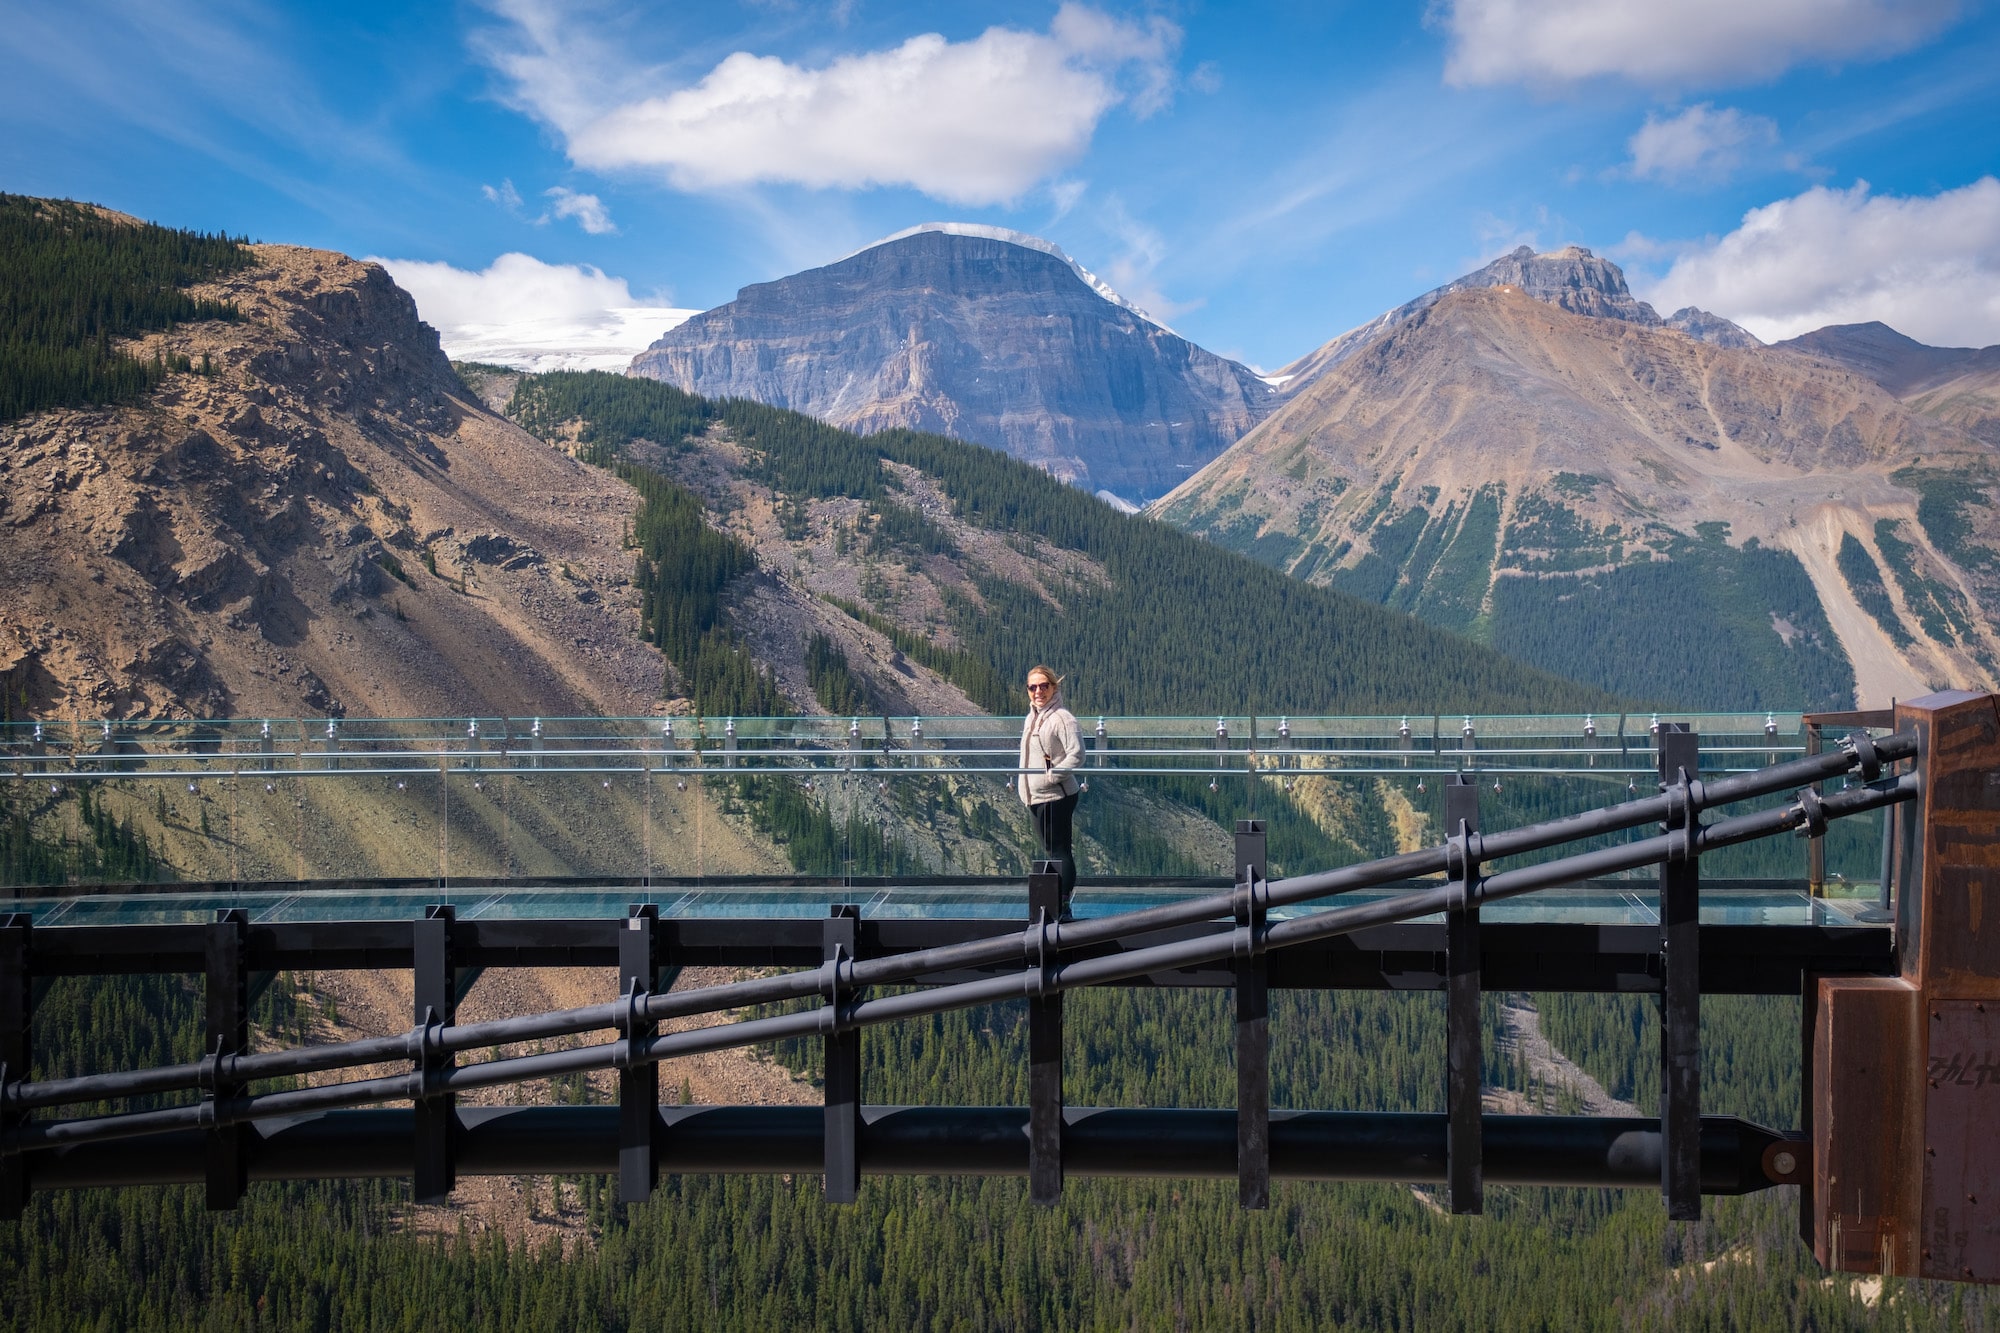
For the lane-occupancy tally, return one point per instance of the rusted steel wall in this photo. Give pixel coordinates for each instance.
(1906, 1071)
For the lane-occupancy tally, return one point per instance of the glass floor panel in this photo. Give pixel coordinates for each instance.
(1601, 903)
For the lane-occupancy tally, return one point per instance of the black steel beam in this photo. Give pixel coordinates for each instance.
(17, 1030)
(1680, 990)
(436, 1005)
(1045, 1053)
(1465, 1191)
(1253, 1026)
(638, 1081)
(840, 1157)
(1757, 960)
(228, 1029)
(938, 1141)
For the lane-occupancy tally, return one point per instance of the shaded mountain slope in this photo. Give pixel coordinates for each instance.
(1589, 493)
(1959, 385)
(980, 338)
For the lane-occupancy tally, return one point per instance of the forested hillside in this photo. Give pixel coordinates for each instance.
(75, 282)
(1174, 626)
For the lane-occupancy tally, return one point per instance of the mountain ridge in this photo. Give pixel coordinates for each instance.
(979, 338)
(1582, 448)
(1572, 278)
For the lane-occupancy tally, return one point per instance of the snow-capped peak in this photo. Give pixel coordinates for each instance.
(1026, 242)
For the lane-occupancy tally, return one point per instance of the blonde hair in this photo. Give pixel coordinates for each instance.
(1049, 672)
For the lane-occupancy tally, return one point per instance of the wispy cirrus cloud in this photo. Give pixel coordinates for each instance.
(982, 121)
(587, 210)
(1673, 43)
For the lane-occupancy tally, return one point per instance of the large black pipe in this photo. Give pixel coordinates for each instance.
(936, 1141)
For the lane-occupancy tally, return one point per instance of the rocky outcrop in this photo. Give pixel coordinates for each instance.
(281, 536)
(1702, 326)
(983, 338)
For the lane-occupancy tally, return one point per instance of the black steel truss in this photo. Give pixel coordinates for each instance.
(1224, 939)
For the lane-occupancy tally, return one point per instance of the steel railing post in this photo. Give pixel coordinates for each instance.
(1253, 1026)
(1465, 1172)
(228, 995)
(1815, 843)
(1680, 981)
(1045, 1050)
(839, 935)
(17, 1028)
(436, 1008)
(638, 1079)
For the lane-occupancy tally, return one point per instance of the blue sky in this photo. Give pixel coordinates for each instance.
(1259, 176)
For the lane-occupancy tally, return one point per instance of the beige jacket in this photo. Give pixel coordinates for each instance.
(1051, 749)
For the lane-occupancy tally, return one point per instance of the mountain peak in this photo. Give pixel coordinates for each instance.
(1571, 278)
(1009, 236)
(987, 334)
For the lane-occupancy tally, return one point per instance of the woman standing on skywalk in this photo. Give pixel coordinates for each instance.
(1051, 749)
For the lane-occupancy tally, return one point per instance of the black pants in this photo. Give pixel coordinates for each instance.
(1052, 829)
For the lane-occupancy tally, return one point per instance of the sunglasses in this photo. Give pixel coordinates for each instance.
(1035, 685)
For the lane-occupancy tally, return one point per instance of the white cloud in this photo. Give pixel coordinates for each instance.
(974, 122)
(519, 311)
(1699, 144)
(1677, 43)
(1928, 266)
(589, 211)
(506, 196)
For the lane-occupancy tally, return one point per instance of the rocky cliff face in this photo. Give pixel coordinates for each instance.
(980, 338)
(1571, 279)
(328, 523)
(1555, 483)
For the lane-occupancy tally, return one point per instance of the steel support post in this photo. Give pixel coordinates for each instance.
(638, 1080)
(1253, 1027)
(1465, 1178)
(1680, 986)
(1816, 842)
(839, 935)
(17, 1028)
(436, 1007)
(228, 986)
(1045, 1053)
